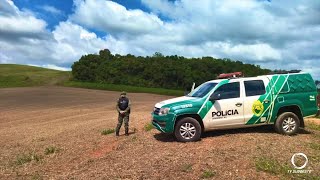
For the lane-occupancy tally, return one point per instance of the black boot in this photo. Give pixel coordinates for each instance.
(127, 131)
(117, 133)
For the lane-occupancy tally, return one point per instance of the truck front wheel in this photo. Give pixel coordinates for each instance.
(287, 123)
(187, 129)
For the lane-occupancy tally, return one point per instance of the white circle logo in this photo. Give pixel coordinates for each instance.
(299, 154)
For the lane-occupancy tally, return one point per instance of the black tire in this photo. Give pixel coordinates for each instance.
(192, 134)
(287, 123)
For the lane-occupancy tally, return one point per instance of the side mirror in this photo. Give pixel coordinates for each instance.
(186, 92)
(215, 96)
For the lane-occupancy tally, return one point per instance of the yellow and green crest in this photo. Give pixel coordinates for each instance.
(257, 108)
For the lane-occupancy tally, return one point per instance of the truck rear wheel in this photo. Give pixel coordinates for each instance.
(287, 123)
(187, 129)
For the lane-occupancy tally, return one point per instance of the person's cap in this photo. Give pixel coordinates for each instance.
(123, 93)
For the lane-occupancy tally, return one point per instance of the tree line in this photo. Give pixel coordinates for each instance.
(172, 72)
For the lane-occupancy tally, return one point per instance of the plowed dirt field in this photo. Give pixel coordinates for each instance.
(55, 133)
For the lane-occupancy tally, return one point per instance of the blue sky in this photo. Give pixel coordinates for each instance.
(55, 11)
(51, 11)
(55, 33)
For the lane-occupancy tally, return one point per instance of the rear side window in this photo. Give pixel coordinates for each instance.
(254, 88)
(228, 91)
(285, 88)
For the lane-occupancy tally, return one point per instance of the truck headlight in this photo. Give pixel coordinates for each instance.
(164, 111)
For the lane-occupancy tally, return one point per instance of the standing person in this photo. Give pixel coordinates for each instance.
(318, 103)
(123, 108)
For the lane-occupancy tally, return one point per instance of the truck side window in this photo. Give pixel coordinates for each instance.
(254, 88)
(228, 91)
(285, 88)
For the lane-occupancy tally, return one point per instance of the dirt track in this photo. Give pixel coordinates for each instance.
(71, 119)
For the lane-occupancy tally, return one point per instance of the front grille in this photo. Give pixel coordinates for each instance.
(156, 111)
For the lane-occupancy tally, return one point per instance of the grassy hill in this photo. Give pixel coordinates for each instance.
(13, 75)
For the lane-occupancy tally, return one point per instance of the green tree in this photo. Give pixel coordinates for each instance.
(175, 72)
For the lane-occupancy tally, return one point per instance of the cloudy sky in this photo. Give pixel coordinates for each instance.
(54, 33)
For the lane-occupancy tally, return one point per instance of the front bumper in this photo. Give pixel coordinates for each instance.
(163, 123)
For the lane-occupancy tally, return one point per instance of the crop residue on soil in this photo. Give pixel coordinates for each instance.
(71, 120)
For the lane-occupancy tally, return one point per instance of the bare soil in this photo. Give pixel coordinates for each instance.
(314, 120)
(71, 120)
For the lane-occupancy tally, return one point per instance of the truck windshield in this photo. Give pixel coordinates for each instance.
(202, 90)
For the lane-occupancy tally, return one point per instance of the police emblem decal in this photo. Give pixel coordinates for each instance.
(257, 108)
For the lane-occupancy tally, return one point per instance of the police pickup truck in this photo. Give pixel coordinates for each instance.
(281, 99)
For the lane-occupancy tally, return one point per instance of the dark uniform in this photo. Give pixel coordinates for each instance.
(123, 108)
(318, 103)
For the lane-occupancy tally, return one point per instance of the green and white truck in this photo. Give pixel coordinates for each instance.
(281, 99)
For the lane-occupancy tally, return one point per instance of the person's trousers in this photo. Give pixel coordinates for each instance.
(121, 119)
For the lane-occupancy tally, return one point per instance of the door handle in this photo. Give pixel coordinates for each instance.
(266, 101)
(239, 104)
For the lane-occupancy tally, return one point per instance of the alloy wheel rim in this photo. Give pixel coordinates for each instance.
(289, 124)
(187, 130)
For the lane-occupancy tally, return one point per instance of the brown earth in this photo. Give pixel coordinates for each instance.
(314, 120)
(71, 120)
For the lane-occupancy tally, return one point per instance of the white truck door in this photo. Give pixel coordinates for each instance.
(257, 100)
(228, 109)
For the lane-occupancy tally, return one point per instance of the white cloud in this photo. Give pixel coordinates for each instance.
(276, 34)
(21, 24)
(4, 59)
(73, 41)
(8, 8)
(109, 16)
(25, 40)
(14, 22)
(51, 66)
(51, 10)
(260, 52)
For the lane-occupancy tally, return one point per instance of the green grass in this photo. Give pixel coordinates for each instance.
(27, 157)
(270, 165)
(186, 167)
(134, 138)
(315, 146)
(36, 176)
(148, 127)
(313, 126)
(51, 150)
(13, 75)
(208, 174)
(115, 87)
(107, 131)
(315, 157)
